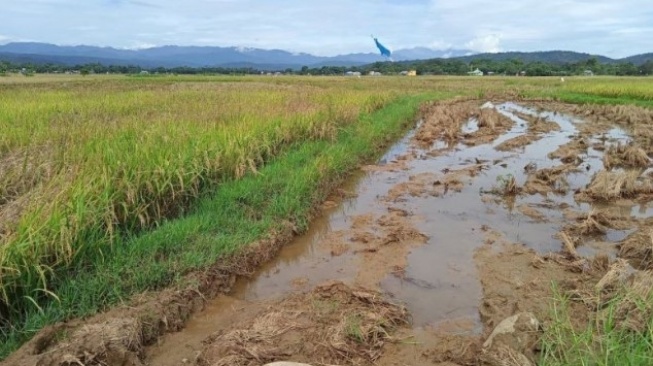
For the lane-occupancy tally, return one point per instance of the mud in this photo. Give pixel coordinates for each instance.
(333, 324)
(466, 222)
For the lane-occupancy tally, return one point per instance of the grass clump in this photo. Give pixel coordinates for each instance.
(507, 186)
(619, 333)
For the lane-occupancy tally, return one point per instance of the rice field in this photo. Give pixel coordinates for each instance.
(85, 162)
(88, 162)
(636, 88)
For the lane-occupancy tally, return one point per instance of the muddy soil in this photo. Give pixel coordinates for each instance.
(443, 252)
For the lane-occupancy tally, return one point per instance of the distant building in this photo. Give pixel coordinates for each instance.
(145, 72)
(353, 73)
(588, 73)
(375, 73)
(476, 72)
(412, 73)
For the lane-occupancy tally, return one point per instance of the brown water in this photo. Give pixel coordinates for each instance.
(440, 285)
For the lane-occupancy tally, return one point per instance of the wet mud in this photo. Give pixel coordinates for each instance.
(454, 236)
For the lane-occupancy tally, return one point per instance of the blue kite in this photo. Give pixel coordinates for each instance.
(383, 49)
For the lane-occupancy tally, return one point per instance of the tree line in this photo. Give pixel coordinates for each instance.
(425, 67)
(502, 67)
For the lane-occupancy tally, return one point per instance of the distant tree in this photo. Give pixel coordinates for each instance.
(159, 70)
(513, 67)
(647, 68)
(626, 69)
(538, 69)
(593, 64)
(84, 71)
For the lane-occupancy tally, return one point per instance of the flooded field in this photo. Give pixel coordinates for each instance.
(432, 224)
(460, 227)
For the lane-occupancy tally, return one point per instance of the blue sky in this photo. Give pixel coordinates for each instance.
(614, 28)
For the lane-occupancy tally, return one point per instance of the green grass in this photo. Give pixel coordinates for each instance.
(353, 328)
(597, 343)
(238, 213)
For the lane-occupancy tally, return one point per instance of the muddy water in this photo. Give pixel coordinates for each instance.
(439, 284)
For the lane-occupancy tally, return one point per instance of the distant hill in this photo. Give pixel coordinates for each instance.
(192, 56)
(69, 60)
(555, 57)
(639, 59)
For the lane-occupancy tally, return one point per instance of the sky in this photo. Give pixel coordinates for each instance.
(614, 28)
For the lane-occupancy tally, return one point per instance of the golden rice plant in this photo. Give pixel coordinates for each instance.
(83, 162)
(635, 88)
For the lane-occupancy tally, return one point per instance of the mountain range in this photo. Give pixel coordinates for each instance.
(235, 57)
(193, 56)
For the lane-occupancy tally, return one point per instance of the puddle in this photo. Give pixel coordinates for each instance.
(641, 211)
(615, 236)
(470, 127)
(617, 135)
(440, 281)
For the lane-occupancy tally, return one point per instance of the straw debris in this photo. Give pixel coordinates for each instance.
(334, 324)
(638, 249)
(627, 156)
(609, 186)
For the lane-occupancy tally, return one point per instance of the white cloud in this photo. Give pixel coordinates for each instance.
(487, 43)
(615, 28)
(137, 45)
